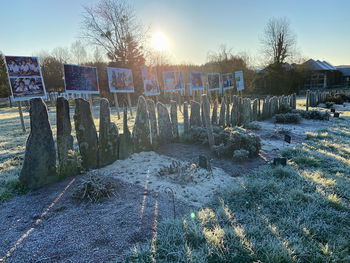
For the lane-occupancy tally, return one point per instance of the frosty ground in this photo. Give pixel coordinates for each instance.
(243, 212)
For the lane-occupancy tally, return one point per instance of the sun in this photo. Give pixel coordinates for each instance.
(159, 41)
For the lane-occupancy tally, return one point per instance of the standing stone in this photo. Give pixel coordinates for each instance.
(174, 121)
(39, 166)
(186, 121)
(86, 134)
(214, 118)
(195, 117)
(294, 100)
(164, 124)
(246, 111)
(141, 132)
(207, 123)
(108, 136)
(153, 122)
(202, 115)
(228, 113)
(126, 144)
(234, 111)
(66, 155)
(222, 114)
(255, 110)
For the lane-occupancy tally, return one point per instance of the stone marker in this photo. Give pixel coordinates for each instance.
(153, 122)
(207, 123)
(234, 111)
(164, 124)
(255, 110)
(141, 132)
(195, 117)
(202, 114)
(214, 118)
(126, 144)
(174, 121)
(246, 111)
(108, 136)
(66, 155)
(228, 113)
(222, 114)
(39, 166)
(86, 134)
(204, 162)
(186, 121)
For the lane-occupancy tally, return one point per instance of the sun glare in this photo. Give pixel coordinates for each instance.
(159, 41)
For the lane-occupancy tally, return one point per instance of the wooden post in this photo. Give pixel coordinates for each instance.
(129, 102)
(116, 104)
(21, 115)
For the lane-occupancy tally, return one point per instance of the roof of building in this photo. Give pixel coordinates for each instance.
(318, 65)
(345, 70)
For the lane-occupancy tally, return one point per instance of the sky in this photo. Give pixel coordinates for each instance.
(193, 28)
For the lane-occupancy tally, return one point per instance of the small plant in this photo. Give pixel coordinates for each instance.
(313, 115)
(252, 126)
(94, 188)
(240, 155)
(288, 118)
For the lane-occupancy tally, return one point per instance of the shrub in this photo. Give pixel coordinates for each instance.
(252, 126)
(94, 188)
(240, 155)
(287, 118)
(313, 115)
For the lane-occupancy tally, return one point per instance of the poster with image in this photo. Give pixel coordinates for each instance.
(213, 80)
(239, 80)
(150, 81)
(173, 81)
(227, 81)
(197, 80)
(25, 77)
(120, 80)
(80, 79)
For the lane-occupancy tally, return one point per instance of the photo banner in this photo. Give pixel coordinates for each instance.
(173, 81)
(213, 80)
(239, 80)
(150, 81)
(227, 81)
(80, 79)
(120, 80)
(24, 74)
(197, 81)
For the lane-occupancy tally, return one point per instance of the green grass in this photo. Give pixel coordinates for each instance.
(297, 213)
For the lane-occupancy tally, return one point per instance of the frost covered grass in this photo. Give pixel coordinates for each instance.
(297, 213)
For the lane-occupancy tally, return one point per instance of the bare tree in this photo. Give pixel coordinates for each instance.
(113, 26)
(62, 54)
(278, 41)
(78, 52)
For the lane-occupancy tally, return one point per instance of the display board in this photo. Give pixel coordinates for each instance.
(120, 80)
(197, 80)
(239, 80)
(25, 77)
(227, 81)
(80, 79)
(173, 81)
(150, 81)
(213, 80)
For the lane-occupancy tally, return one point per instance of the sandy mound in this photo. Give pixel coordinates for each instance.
(191, 184)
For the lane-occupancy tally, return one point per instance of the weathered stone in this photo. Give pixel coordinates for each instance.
(126, 145)
(204, 162)
(246, 111)
(228, 113)
(222, 114)
(240, 110)
(207, 123)
(108, 136)
(186, 121)
(174, 121)
(141, 132)
(195, 117)
(214, 118)
(86, 134)
(67, 160)
(202, 115)
(39, 166)
(255, 110)
(153, 122)
(234, 111)
(164, 124)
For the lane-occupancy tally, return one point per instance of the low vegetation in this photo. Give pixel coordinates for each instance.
(296, 213)
(287, 118)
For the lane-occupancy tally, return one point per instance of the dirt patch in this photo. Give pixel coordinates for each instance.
(72, 231)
